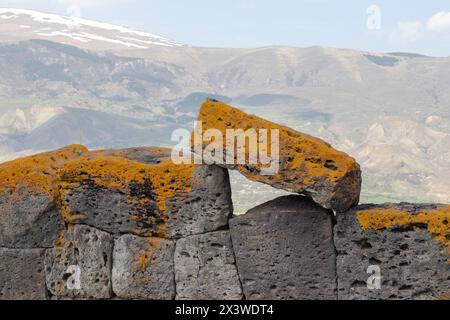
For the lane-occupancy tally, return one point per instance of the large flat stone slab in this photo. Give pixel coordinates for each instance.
(155, 198)
(143, 268)
(284, 250)
(29, 217)
(407, 244)
(205, 268)
(85, 252)
(307, 165)
(22, 274)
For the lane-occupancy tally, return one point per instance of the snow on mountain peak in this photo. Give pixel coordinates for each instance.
(52, 25)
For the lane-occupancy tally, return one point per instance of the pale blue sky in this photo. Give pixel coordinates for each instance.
(406, 25)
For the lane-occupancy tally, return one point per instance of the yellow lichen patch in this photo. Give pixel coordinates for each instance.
(436, 220)
(143, 262)
(37, 173)
(156, 152)
(60, 242)
(59, 289)
(152, 246)
(167, 179)
(109, 172)
(170, 179)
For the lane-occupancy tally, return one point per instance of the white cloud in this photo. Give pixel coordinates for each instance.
(440, 21)
(407, 31)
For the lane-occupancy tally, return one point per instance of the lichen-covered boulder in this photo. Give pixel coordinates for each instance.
(143, 268)
(22, 274)
(29, 217)
(307, 165)
(393, 251)
(205, 268)
(284, 250)
(148, 155)
(155, 198)
(80, 264)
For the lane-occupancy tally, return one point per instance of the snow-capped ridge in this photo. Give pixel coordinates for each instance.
(84, 30)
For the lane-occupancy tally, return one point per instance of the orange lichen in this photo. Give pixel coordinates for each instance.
(167, 179)
(157, 152)
(147, 187)
(152, 246)
(37, 174)
(60, 241)
(59, 288)
(436, 220)
(304, 160)
(308, 153)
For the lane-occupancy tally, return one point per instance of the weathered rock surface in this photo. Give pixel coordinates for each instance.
(148, 155)
(205, 268)
(60, 212)
(82, 251)
(143, 268)
(29, 221)
(29, 217)
(22, 274)
(308, 165)
(284, 250)
(120, 195)
(408, 243)
(206, 208)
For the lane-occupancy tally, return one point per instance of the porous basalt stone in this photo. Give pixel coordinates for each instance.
(307, 165)
(22, 274)
(205, 268)
(206, 208)
(161, 199)
(28, 221)
(82, 251)
(29, 217)
(407, 243)
(284, 250)
(143, 268)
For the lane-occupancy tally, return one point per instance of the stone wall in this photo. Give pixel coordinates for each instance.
(115, 224)
(128, 224)
(289, 248)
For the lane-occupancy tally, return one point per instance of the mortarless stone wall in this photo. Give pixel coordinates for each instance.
(126, 224)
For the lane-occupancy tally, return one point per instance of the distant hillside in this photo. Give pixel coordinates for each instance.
(388, 110)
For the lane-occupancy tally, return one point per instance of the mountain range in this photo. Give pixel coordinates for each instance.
(69, 80)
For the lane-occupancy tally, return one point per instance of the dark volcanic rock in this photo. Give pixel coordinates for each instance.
(205, 268)
(407, 244)
(143, 268)
(28, 221)
(130, 224)
(206, 208)
(29, 217)
(82, 251)
(284, 250)
(163, 200)
(22, 274)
